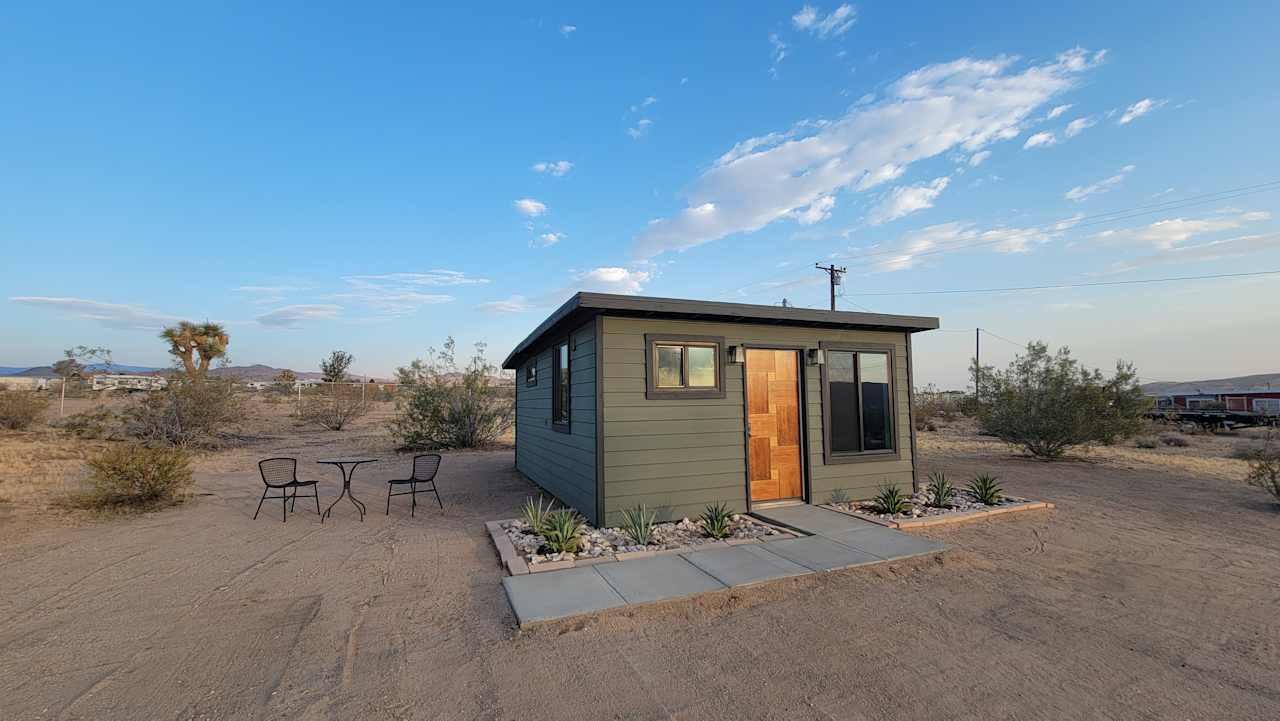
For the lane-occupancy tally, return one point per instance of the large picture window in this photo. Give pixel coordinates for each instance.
(681, 366)
(857, 403)
(561, 385)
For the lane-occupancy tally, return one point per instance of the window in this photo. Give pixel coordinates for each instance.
(679, 366)
(857, 403)
(561, 385)
(531, 373)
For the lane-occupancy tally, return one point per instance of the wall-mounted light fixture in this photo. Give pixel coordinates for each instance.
(737, 354)
(816, 356)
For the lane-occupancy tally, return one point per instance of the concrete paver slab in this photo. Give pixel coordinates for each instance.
(887, 543)
(657, 578)
(743, 565)
(555, 594)
(818, 553)
(812, 519)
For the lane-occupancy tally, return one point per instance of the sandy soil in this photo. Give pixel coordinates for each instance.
(1150, 593)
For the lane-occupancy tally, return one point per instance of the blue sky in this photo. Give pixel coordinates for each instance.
(377, 178)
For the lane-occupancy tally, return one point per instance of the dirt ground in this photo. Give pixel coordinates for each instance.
(1149, 593)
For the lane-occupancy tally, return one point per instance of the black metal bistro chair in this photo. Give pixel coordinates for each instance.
(424, 472)
(282, 474)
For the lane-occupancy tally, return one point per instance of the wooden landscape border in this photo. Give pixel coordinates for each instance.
(1021, 505)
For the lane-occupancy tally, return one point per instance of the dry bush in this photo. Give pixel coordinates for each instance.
(1174, 440)
(1264, 470)
(451, 408)
(333, 406)
(1251, 450)
(1146, 442)
(19, 410)
(136, 477)
(933, 407)
(185, 414)
(96, 424)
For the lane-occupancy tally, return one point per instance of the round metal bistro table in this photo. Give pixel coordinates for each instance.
(348, 467)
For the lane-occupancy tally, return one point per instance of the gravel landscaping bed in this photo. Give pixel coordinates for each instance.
(607, 542)
(962, 504)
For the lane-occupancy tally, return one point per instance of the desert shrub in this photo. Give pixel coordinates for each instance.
(332, 406)
(985, 489)
(940, 490)
(1047, 403)
(1264, 472)
(638, 523)
(563, 531)
(184, 414)
(135, 476)
(890, 500)
(450, 408)
(1174, 440)
(535, 514)
(715, 520)
(931, 407)
(19, 410)
(99, 423)
(1146, 442)
(1250, 450)
(839, 495)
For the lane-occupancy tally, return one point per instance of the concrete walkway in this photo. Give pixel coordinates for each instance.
(836, 541)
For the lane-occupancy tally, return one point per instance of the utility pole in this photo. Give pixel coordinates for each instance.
(786, 303)
(977, 364)
(834, 274)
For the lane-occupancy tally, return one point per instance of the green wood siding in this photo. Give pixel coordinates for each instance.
(675, 456)
(563, 464)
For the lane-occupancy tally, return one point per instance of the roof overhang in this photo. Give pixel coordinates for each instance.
(584, 306)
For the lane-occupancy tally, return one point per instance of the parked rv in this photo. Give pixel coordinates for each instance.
(105, 382)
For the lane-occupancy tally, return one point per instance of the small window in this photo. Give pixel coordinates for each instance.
(561, 380)
(531, 373)
(684, 367)
(858, 403)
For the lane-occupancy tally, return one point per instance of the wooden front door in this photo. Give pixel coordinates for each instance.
(773, 423)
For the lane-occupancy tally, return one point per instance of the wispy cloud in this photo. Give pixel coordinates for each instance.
(613, 279)
(266, 294)
(567, 30)
(818, 211)
(977, 158)
(913, 247)
(1171, 232)
(1138, 109)
(1080, 192)
(834, 24)
(1079, 125)
(1213, 250)
(1042, 139)
(427, 278)
(966, 104)
(112, 315)
(530, 207)
(1058, 110)
(399, 294)
(510, 304)
(641, 129)
(557, 168)
(643, 104)
(1062, 307)
(546, 239)
(778, 54)
(907, 199)
(294, 316)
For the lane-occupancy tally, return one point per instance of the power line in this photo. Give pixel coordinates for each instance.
(1062, 286)
(1006, 340)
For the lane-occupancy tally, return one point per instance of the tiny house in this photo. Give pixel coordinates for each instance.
(675, 404)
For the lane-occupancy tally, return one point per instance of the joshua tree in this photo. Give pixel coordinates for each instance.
(196, 346)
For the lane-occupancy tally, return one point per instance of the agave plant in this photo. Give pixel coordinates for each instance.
(535, 514)
(839, 495)
(715, 520)
(638, 523)
(563, 531)
(986, 489)
(940, 490)
(889, 500)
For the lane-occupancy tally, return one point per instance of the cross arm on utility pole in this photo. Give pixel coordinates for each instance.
(834, 274)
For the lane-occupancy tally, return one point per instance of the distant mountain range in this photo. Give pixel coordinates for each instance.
(257, 372)
(1258, 382)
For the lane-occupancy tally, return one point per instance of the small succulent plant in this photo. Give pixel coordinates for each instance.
(986, 489)
(941, 492)
(716, 520)
(889, 500)
(535, 514)
(638, 523)
(563, 531)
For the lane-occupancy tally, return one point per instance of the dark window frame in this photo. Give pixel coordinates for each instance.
(830, 457)
(565, 425)
(654, 392)
(531, 373)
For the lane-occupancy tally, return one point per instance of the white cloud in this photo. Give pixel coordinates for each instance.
(1058, 110)
(1213, 250)
(546, 239)
(907, 199)
(398, 294)
(912, 247)
(612, 279)
(293, 316)
(778, 54)
(557, 168)
(977, 158)
(966, 104)
(530, 207)
(1138, 109)
(1079, 125)
(834, 24)
(511, 304)
(644, 104)
(428, 278)
(567, 30)
(1171, 232)
(265, 294)
(1040, 140)
(640, 130)
(112, 315)
(1080, 192)
(818, 211)
(1162, 193)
